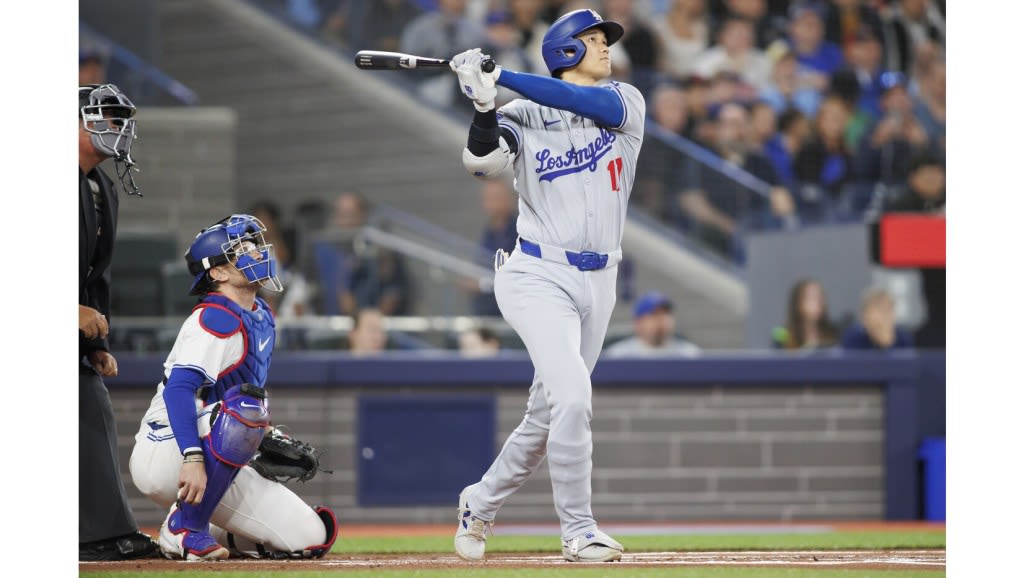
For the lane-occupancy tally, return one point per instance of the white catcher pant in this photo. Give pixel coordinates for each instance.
(261, 510)
(562, 315)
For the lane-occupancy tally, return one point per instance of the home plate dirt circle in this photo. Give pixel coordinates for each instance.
(826, 559)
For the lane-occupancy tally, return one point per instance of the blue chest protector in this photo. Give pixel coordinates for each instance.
(223, 317)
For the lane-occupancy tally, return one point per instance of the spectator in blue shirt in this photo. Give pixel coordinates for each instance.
(352, 275)
(824, 165)
(818, 58)
(790, 86)
(876, 329)
(889, 144)
(794, 129)
(863, 55)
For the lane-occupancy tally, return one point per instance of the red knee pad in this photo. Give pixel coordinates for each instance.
(331, 525)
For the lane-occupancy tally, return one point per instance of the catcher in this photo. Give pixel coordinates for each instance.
(206, 449)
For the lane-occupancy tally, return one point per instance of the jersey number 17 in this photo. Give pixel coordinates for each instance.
(615, 172)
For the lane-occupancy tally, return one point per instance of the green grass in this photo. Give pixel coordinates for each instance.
(499, 543)
(588, 572)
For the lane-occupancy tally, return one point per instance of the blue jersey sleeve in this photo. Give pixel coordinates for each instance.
(180, 399)
(601, 104)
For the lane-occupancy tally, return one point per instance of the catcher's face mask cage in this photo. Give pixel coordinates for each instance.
(237, 240)
(107, 115)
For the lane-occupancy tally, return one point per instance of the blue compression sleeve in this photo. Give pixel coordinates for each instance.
(598, 103)
(180, 399)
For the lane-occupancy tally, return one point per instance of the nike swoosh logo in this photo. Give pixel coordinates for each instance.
(551, 122)
(263, 344)
(243, 404)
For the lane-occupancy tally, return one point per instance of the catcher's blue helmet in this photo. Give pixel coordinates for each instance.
(561, 38)
(237, 239)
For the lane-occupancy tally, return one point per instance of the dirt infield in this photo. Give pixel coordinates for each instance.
(860, 559)
(932, 559)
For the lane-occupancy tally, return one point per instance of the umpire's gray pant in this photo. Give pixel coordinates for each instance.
(103, 510)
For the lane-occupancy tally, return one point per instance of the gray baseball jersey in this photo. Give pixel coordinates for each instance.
(574, 179)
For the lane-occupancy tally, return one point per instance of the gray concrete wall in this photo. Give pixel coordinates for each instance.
(134, 25)
(699, 453)
(837, 256)
(187, 162)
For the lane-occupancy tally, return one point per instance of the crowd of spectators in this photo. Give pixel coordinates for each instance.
(334, 252)
(823, 102)
(837, 107)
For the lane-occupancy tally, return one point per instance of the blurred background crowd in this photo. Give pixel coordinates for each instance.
(835, 107)
(764, 115)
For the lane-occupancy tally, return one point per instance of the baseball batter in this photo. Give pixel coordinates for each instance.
(573, 148)
(209, 415)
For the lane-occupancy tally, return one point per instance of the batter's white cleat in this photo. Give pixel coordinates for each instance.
(471, 535)
(179, 543)
(592, 546)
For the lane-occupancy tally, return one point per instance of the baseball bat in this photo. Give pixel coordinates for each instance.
(382, 60)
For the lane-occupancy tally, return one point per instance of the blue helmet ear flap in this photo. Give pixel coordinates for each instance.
(568, 53)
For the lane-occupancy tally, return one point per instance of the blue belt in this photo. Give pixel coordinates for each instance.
(584, 261)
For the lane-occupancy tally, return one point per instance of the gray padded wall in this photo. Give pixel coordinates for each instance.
(837, 256)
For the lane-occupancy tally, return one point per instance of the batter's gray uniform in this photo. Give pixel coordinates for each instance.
(574, 179)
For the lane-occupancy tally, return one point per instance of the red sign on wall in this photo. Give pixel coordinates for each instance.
(912, 240)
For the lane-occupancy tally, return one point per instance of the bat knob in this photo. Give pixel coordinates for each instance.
(487, 65)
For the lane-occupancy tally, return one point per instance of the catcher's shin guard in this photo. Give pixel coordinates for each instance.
(236, 430)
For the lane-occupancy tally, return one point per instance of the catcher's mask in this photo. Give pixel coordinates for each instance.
(107, 115)
(237, 240)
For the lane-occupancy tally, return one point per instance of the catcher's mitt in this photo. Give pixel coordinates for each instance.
(283, 458)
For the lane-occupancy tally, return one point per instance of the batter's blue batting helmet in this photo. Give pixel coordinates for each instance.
(237, 239)
(561, 39)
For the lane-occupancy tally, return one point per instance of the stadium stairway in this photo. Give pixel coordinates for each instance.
(311, 125)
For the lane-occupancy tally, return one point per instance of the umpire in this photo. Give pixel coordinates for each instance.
(106, 525)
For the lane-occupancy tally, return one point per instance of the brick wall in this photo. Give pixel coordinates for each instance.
(694, 453)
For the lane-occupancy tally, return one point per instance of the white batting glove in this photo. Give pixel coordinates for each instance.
(477, 85)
